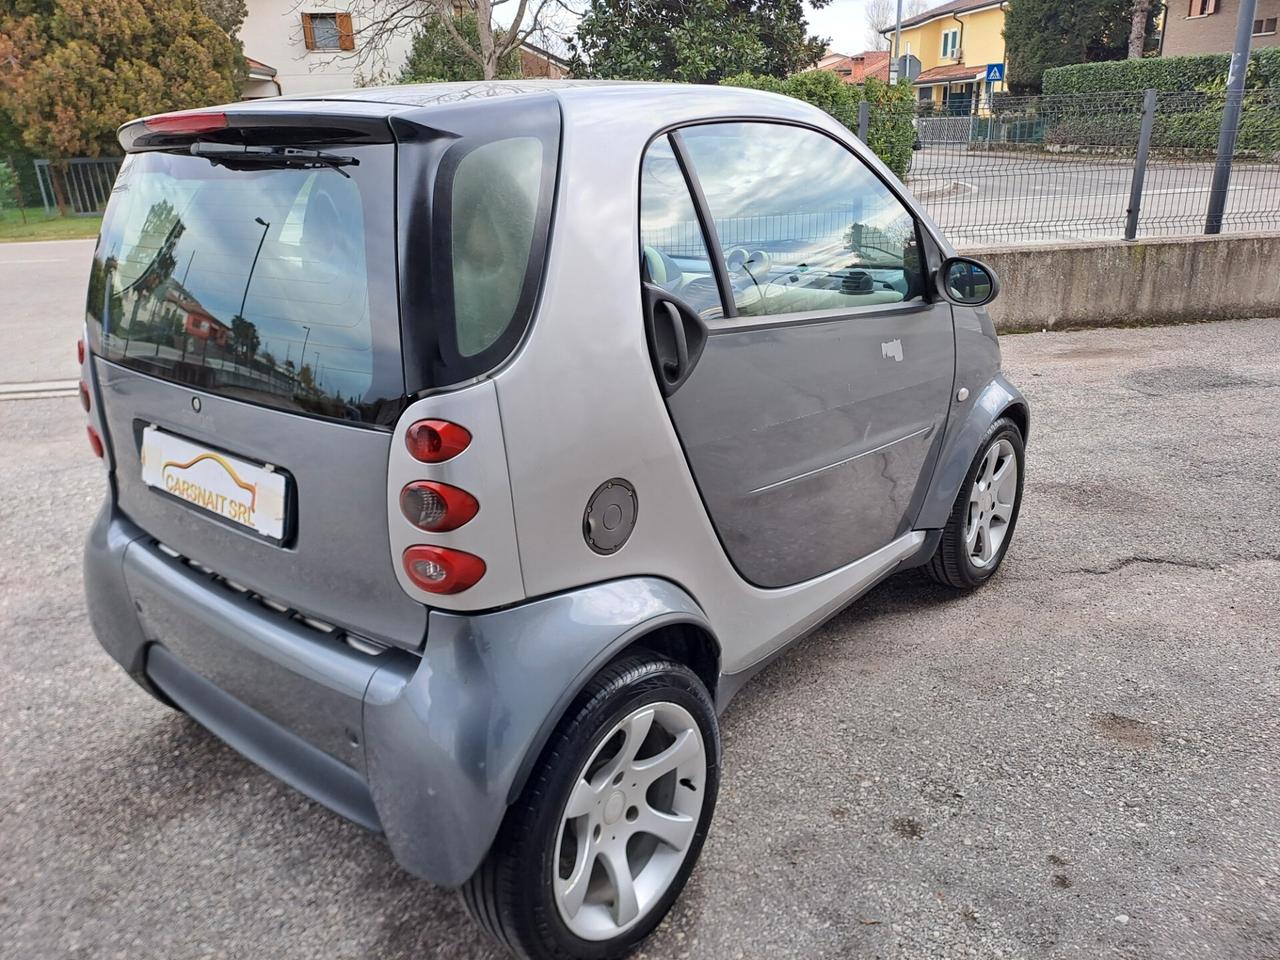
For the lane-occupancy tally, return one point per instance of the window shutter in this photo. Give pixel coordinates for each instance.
(346, 35)
(1211, 6)
(308, 33)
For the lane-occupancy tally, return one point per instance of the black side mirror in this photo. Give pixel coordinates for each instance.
(965, 282)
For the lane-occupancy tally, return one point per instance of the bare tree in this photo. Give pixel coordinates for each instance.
(376, 23)
(1138, 27)
(881, 16)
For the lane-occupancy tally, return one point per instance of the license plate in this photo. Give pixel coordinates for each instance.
(249, 494)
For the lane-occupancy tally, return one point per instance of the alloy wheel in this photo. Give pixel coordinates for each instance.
(630, 820)
(991, 502)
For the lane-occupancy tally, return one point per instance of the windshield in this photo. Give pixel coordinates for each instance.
(274, 285)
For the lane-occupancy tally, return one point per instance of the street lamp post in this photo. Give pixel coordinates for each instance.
(253, 266)
(1230, 117)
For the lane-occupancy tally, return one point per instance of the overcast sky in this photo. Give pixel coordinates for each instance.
(844, 22)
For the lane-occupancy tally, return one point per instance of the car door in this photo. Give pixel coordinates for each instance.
(806, 366)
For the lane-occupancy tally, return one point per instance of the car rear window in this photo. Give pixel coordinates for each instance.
(274, 286)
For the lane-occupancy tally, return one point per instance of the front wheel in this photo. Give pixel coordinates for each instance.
(602, 840)
(980, 528)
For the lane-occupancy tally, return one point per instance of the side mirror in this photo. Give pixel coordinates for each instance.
(965, 282)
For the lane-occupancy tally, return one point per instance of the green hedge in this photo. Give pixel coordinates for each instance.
(1166, 74)
(889, 129)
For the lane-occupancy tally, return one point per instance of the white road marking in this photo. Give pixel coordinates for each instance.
(4, 263)
(39, 389)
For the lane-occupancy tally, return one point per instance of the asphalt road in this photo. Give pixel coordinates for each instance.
(998, 197)
(1077, 761)
(42, 290)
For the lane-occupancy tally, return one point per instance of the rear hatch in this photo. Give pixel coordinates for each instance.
(243, 313)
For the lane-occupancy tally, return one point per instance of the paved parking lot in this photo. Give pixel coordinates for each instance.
(1078, 761)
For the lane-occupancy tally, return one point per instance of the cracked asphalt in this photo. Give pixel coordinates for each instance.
(1079, 760)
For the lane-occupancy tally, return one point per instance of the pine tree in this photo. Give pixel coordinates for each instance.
(72, 71)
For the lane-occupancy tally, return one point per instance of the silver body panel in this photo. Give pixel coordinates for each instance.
(430, 742)
(588, 341)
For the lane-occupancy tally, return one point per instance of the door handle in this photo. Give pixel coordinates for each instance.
(676, 337)
(674, 367)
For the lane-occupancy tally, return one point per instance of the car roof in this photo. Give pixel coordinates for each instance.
(392, 99)
(649, 105)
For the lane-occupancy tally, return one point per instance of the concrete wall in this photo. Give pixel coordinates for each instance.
(1107, 283)
(1215, 33)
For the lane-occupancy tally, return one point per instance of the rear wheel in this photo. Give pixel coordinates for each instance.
(596, 850)
(980, 528)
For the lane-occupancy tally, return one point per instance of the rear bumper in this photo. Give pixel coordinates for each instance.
(430, 750)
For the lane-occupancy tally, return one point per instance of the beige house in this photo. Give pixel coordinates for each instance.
(313, 46)
(1209, 26)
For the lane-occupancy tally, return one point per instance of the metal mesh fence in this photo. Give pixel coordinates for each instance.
(1027, 169)
(83, 184)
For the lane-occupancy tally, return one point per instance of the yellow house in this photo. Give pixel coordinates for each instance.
(960, 50)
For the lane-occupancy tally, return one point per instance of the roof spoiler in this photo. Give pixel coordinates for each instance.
(275, 127)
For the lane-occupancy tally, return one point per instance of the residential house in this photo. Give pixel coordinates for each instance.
(856, 67)
(1209, 26)
(313, 46)
(957, 45)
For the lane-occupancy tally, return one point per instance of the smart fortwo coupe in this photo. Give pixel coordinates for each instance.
(469, 446)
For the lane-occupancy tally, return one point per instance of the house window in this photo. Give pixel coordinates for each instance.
(328, 31)
(950, 43)
(1202, 8)
(1263, 27)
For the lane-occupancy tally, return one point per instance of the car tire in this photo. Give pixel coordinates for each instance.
(547, 852)
(968, 553)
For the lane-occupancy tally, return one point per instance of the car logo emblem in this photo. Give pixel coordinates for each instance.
(195, 404)
(892, 349)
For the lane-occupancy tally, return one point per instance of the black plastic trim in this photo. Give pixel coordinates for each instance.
(710, 236)
(432, 142)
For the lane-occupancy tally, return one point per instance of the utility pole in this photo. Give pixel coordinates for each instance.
(1230, 117)
(897, 45)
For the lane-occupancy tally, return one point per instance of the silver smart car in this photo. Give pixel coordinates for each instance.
(469, 446)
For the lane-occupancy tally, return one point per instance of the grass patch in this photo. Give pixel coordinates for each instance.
(39, 226)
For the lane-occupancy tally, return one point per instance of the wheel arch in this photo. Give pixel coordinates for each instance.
(969, 424)
(1020, 414)
(451, 739)
(681, 636)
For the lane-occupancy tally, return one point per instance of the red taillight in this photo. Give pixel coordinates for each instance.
(186, 122)
(80, 352)
(441, 570)
(437, 507)
(95, 441)
(84, 396)
(434, 441)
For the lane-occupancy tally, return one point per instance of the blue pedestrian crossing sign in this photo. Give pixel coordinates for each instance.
(995, 72)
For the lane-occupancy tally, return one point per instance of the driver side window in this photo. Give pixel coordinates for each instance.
(804, 224)
(673, 252)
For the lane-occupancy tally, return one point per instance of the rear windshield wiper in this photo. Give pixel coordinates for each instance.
(240, 156)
